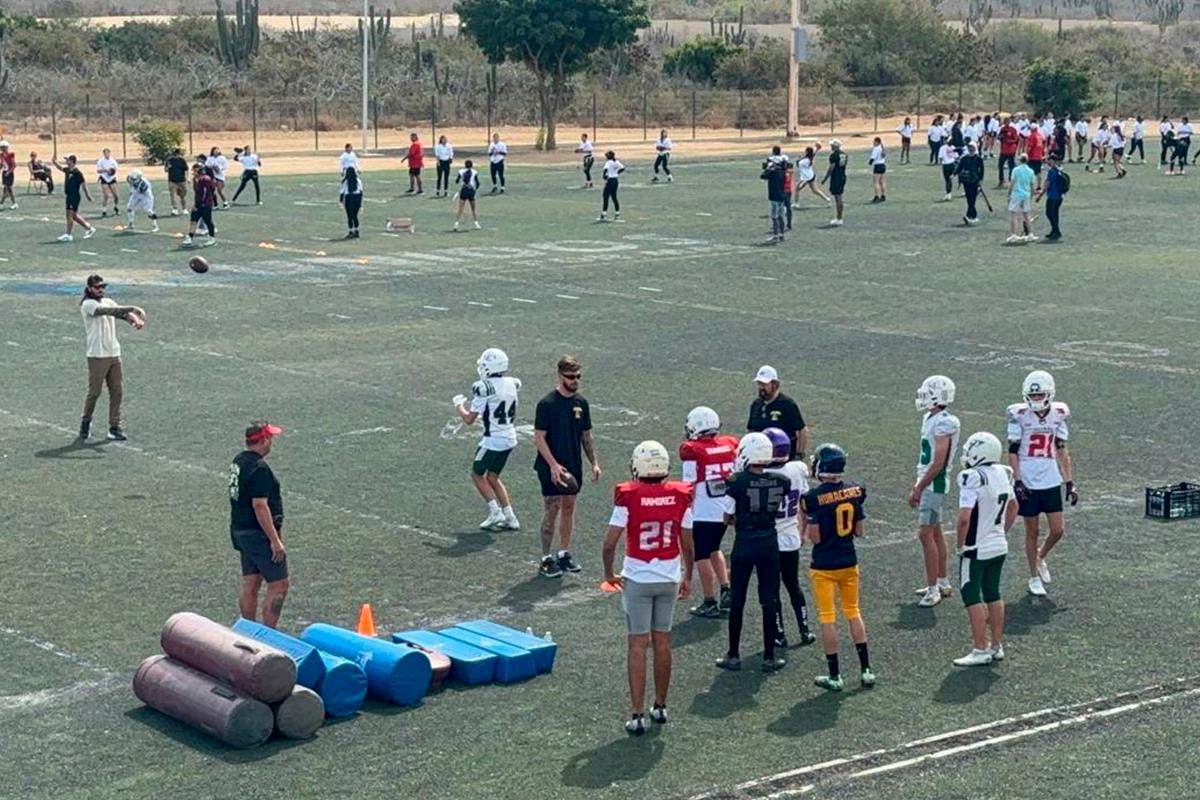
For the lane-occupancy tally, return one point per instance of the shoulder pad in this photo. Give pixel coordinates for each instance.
(1016, 409)
(970, 479)
(516, 383)
(1006, 470)
(1061, 408)
(947, 424)
(685, 450)
(799, 466)
(682, 488)
(481, 388)
(623, 490)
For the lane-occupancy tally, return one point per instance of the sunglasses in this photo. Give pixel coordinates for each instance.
(574, 376)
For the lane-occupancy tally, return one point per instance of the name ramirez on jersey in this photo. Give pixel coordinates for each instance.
(653, 516)
(1038, 437)
(985, 490)
(495, 400)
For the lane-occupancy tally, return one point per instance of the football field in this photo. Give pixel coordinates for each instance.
(356, 347)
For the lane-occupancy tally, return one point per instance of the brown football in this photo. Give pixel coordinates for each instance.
(198, 264)
(570, 484)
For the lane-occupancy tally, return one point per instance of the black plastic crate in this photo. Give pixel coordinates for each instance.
(1177, 501)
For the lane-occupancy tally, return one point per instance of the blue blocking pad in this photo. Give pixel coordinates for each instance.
(468, 665)
(395, 674)
(309, 667)
(512, 663)
(543, 651)
(344, 686)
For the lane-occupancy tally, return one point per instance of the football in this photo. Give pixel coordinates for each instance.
(198, 264)
(569, 483)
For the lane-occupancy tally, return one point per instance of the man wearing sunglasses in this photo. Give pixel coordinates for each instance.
(100, 315)
(562, 432)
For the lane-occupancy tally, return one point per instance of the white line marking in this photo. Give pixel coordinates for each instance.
(649, 289)
(87, 253)
(43, 697)
(52, 648)
(365, 431)
(762, 278)
(436, 308)
(566, 296)
(3, 259)
(481, 305)
(128, 250)
(335, 316)
(523, 300)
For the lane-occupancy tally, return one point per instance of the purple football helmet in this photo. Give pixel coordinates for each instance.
(780, 444)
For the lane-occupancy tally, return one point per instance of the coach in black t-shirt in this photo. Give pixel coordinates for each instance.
(774, 409)
(562, 432)
(255, 521)
(177, 177)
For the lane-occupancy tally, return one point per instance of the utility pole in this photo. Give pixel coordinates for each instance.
(793, 100)
(366, 36)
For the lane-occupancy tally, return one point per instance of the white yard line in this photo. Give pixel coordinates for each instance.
(54, 649)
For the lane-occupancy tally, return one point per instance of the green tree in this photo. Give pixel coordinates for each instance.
(1059, 86)
(554, 39)
(762, 67)
(698, 59)
(885, 42)
(158, 138)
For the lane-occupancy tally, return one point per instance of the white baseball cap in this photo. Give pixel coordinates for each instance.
(766, 374)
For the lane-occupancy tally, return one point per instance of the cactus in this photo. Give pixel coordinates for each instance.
(238, 40)
(493, 87)
(3, 52)
(416, 57)
(298, 31)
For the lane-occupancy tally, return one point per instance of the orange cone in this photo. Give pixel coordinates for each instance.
(366, 621)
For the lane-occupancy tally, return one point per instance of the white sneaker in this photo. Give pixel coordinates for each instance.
(154, 227)
(601, 218)
(1014, 239)
(997, 653)
(837, 223)
(511, 523)
(1030, 237)
(931, 598)
(209, 242)
(975, 658)
(174, 212)
(1043, 570)
(89, 233)
(494, 520)
(1036, 588)
(945, 588)
(13, 206)
(187, 241)
(947, 198)
(66, 237)
(478, 227)
(670, 179)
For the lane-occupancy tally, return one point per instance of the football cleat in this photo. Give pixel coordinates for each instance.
(807, 637)
(931, 598)
(731, 663)
(770, 665)
(867, 679)
(636, 726)
(650, 460)
(658, 714)
(936, 390)
(116, 434)
(998, 653)
(830, 683)
(568, 564)
(945, 588)
(549, 568)
(510, 523)
(726, 601)
(981, 448)
(707, 609)
(89, 233)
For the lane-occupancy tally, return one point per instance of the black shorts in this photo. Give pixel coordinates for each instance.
(1042, 501)
(837, 187)
(552, 489)
(255, 550)
(414, 171)
(8, 179)
(1036, 166)
(73, 201)
(879, 169)
(707, 537)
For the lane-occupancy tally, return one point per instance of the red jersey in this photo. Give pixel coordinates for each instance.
(1008, 140)
(1036, 146)
(416, 156)
(653, 514)
(706, 460)
(205, 189)
(8, 162)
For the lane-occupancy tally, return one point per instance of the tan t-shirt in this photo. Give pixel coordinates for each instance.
(101, 329)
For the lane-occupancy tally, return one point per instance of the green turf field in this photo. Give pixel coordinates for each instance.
(356, 349)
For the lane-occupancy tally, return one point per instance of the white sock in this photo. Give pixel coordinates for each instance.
(943, 581)
(508, 512)
(563, 553)
(493, 507)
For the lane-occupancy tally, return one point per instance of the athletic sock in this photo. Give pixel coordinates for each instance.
(508, 512)
(832, 661)
(943, 582)
(493, 507)
(864, 661)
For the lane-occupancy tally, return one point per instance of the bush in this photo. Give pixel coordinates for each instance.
(764, 66)
(1059, 86)
(158, 138)
(887, 42)
(698, 59)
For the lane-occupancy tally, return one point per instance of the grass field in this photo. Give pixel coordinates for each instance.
(356, 348)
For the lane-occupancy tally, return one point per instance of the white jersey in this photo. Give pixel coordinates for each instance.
(249, 161)
(495, 401)
(443, 152)
(664, 146)
(986, 490)
(787, 527)
(218, 165)
(805, 168)
(1038, 436)
(497, 152)
(348, 160)
(106, 168)
(878, 155)
(943, 423)
(585, 148)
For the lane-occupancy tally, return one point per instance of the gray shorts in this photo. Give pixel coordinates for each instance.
(648, 606)
(929, 512)
(1018, 206)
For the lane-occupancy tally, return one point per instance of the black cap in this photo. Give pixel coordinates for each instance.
(96, 280)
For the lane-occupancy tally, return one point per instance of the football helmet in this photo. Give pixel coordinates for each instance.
(781, 445)
(755, 450)
(701, 420)
(650, 460)
(981, 448)
(134, 177)
(830, 459)
(492, 362)
(936, 390)
(1038, 382)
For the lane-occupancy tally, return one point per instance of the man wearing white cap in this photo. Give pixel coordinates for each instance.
(774, 409)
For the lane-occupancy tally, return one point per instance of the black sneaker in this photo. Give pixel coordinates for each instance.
(708, 609)
(807, 637)
(568, 564)
(117, 435)
(781, 643)
(658, 714)
(726, 601)
(636, 726)
(773, 664)
(85, 427)
(549, 568)
(731, 663)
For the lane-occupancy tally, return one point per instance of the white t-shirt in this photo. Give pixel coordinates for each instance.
(612, 168)
(986, 489)
(1038, 437)
(217, 164)
(658, 570)
(993, 126)
(1164, 127)
(1139, 130)
(497, 151)
(348, 160)
(935, 133)
(101, 329)
(878, 155)
(103, 166)
(249, 161)
(947, 154)
(905, 131)
(664, 145)
(1081, 129)
(495, 401)
(1100, 139)
(1115, 139)
(585, 148)
(805, 168)
(1184, 131)
(443, 152)
(787, 527)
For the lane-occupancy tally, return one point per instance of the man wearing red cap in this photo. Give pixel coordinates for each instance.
(255, 520)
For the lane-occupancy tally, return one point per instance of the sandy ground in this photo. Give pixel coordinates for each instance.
(292, 153)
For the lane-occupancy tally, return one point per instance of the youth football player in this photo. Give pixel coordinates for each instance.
(655, 516)
(787, 529)
(494, 400)
(141, 196)
(1037, 452)
(939, 439)
(708, 455)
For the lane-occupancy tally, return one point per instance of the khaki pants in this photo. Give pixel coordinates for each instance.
(103, 371)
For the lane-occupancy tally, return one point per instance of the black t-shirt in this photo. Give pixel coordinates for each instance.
(251, 477)
(74, 181)
(782, 412)
(177, 169)
(836, 509)
(564, 419)
(774, 176)
(756, 497)
(838, 159)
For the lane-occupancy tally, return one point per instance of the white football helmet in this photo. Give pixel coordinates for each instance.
(1038, 382)
(700, 421)
(650, 460)
(134, 176)
(981, 448)
(755, 450)
(936, 390)
(491, 363)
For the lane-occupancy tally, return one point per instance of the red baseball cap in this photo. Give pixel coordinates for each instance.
(260, 431)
